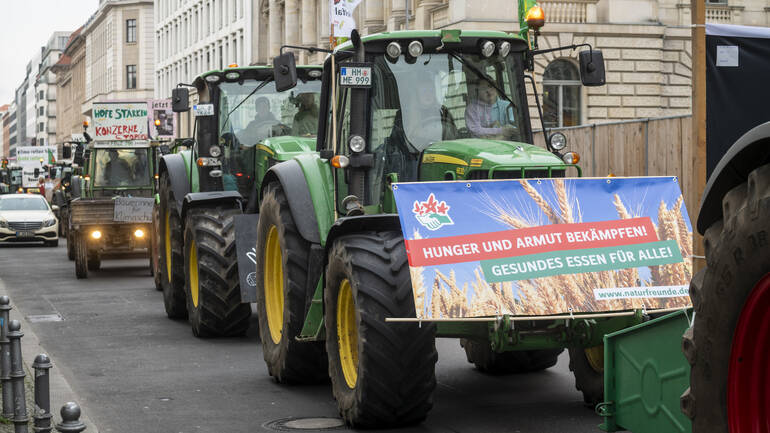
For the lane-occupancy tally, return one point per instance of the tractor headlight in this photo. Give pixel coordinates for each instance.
(415, 48)
(571, 158)
(215, 151)
(558, 141)
(357, 143)
(393, 50)
(139, 233)
(314, 73)
(96, 234)
(487, 48)
(213, 78)
(49, 222)
(504, 48)
(232, 75)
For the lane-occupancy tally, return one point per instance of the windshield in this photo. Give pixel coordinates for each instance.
(121, 167)
(23, 203)
(444, 97)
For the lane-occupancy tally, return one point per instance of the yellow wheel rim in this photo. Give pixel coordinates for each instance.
(595, 356)
(274, 284)
(347, 333)
(194, 273)
(168, 246)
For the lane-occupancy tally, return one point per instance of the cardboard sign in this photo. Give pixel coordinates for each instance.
(32, 157)
(160, 110)
(547, 246)
(133, 209)
(117, 121)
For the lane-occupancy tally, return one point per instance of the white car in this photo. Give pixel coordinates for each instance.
(27, 218)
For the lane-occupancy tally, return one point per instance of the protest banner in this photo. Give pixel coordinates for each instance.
(547, 246)
(117, 121)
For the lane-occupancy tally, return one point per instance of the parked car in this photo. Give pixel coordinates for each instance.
(28, 218)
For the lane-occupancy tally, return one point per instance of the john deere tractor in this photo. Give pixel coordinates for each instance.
(331, 264)
(243, 126)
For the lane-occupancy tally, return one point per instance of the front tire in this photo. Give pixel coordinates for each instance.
(587, 365)
(282, 296)
(81, 255)
(727, 345)
(383, 374)
(212, 286)
(490, 362)
(172, 259)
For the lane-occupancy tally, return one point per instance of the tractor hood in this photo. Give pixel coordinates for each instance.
(473, 158)
(285, 147)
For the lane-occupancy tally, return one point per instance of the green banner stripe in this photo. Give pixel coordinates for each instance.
(580, 261)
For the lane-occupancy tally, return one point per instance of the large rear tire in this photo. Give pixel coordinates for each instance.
(587, 365)
(211, 274)
(171, 257)
(488, 361)
(154, 251)
(728, 345)
(282, 295)
(81, 255)
(383, 374)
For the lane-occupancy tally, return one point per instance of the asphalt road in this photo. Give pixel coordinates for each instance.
(134, 370)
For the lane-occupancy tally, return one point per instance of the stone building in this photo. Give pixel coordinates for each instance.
(195, 36)
(4, 130)
(45, 89)
(70, 88)
(119, 52)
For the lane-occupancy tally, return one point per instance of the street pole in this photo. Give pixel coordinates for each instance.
(698, 12)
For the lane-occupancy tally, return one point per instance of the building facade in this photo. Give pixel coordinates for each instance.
(3, 130)
(196, 36)
(119, 52)
(10, 131)
(70, 71)
(45, 89)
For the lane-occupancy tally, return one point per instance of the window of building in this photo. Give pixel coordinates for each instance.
(130, 76)
(41, 127)
(41, 141)
(40, 111)
(41, 95)
(561, 94)
(131, 30)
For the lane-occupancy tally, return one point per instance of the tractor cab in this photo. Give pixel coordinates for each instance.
(120, 171)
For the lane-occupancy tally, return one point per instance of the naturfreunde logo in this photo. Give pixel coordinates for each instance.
(640, 292)
(432, 214)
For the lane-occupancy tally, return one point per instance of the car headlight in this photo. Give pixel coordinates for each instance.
(3, 223)
(49, 222)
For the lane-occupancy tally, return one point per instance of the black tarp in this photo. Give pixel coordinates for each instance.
(737, 85)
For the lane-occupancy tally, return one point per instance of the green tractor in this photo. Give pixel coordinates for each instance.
(331, 263)
(243, 127)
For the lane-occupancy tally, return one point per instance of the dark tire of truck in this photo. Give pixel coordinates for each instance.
(154, 251)
(81, 255)
(589, 373)
(171, 255)
(212, 284)
(383, 374)
(727, 346)
(486, 360)
(282, 294)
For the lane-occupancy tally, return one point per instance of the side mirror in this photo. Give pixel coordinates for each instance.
(592, 68)
(66, 151)
(180, 100)
(284, 72)
(54, 208)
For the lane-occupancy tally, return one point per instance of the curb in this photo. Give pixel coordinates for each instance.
(61, 392)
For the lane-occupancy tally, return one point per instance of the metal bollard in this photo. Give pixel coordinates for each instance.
(42, 415)
(70, 419)
(20, 417)
(5, 358)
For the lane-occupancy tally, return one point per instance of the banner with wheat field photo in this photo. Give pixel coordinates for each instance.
(547, 246)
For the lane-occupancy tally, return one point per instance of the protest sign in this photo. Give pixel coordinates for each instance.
(115, 121)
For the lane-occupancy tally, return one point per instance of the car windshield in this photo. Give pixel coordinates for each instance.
(121, 167)
(23, 203)
(253, 116)
(444, 97)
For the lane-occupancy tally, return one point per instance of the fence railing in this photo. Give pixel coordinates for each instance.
(571, 11)
(718, 14)
(644, 147)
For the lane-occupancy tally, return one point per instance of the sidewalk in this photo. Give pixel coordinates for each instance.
(61, 392)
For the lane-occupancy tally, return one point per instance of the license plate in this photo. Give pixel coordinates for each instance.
(356, 76)
(25, 234)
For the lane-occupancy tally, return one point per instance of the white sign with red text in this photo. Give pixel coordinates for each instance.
(120, 121)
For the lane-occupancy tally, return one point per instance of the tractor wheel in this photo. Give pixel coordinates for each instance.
(171, 258)
(282, 297)
(154, 251)
(488, 361)
(211, 274)
(71, 241)
(587, 365)
(383, 374)
(727, 345)
(81, 255)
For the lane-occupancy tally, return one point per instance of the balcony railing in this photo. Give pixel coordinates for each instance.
(719, 14)
(573, 12)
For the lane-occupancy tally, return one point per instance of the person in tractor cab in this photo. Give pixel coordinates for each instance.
(262, 125)
(306, 120)
(488, 116)
(117, 170)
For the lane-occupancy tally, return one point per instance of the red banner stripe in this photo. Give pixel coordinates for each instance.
(520, 242)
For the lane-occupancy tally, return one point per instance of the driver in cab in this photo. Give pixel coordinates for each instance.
(488, 116)
(262, 125)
